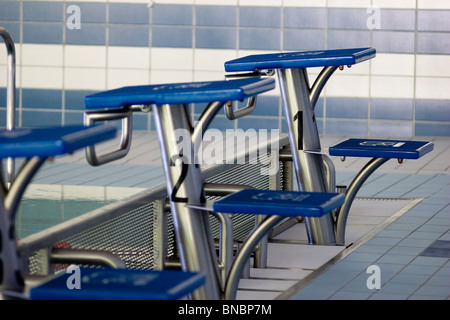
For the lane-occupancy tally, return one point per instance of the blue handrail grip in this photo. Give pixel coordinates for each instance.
(301, 59)
(379, 148)
(179, 93)
(51, 141)
(279, 202)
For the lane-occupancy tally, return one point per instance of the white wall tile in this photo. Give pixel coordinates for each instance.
(393, 64)
(347, 86)
(392, 87)
(128, 57)
(349, 3)
(127, 77)
(172, 59)
(41, 77)
(395, 4)
(85, 56)
(85, 78)
(42, 55)
(433, 65)
(305, 3)
(260, 3)
(208, 75)
(3, 76)
(433, 88)
(433, 4)
(170, 76)
(212, 60)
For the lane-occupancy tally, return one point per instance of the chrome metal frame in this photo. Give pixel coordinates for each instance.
(298, 103)
(10, 96)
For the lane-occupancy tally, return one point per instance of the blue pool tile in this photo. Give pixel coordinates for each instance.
(392, 19)
(89, 12)
(216, 16)
(9, 11)
(432, 129)
(298, 39)
(88, 34)
(391, 128)
(129, 35)
(41, 98)
(354, 108)
(123, 13)
(43, 11)
(338, 39)
(393, 42)
(259, 39)
(392, 109)
(347, 18)
(265, 106)
(257, 123)
(74, 99)
(40, 118)
(48, 33)
(73, 118)
(433, 20)
(221, 123)
(13, 29)
(354, 127)
(432, 110)
(437, 43)
(171, 37)
(140, 121)
(172, 15)
(215, 38)
(307, 18)
(265, 17)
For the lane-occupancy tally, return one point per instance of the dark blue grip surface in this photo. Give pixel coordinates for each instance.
(53, 141)
(379, 148)
(120, 284)
(282, 203)
(180, 93)
(303, 59)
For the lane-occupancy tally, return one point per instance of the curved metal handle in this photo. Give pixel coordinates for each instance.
(236, 114)
(125, 115)
(10, 95)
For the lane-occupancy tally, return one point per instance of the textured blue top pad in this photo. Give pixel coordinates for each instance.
(52, 141)
(120, 284)
(282, 203)
(179, 93)
(377, 148)
(303, 59)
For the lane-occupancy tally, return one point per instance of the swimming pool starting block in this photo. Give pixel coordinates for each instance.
(35, 145)
(380, 150)
(314, 171)
(281, 203)
(118, 284)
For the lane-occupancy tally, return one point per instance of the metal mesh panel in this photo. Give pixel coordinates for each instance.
(130, 235)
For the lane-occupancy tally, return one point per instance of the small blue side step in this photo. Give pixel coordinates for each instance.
(281, 203)
(51, 141)
(302, 59)
(120, 284)
(378, 148)
(179, 93)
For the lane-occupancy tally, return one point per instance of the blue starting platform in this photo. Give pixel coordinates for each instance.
(119, 284)
(377, 148)
(281, 203)
(302, 59)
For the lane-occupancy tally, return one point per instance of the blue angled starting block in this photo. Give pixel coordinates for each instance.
(380, 150)
(119, 284)
(376, 148)
(281, 203)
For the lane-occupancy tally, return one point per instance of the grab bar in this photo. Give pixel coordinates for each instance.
(10, 96)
